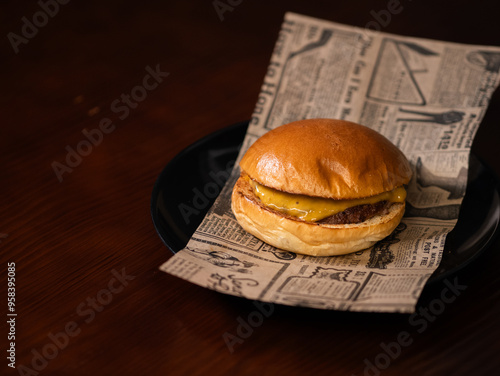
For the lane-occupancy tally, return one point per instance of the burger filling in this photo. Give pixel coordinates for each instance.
(324, 210)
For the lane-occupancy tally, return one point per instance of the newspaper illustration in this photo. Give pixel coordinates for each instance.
(428, 97)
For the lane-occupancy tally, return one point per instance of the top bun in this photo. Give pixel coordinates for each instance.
(326, 158)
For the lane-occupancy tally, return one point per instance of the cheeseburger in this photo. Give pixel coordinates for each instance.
(321, 187)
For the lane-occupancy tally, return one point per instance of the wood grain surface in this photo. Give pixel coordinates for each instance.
(89, 296)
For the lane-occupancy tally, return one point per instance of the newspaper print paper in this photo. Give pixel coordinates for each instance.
(428, 97)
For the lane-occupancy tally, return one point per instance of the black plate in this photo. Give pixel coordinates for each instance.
(181, 198)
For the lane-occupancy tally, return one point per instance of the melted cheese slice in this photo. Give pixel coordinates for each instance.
(314, 209)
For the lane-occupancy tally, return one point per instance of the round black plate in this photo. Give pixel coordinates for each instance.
(181, 198)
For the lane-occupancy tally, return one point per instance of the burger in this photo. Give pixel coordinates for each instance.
(321, 187)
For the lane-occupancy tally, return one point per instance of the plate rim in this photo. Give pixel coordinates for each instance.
(156, 187)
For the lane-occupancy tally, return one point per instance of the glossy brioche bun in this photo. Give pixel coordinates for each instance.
(320, 158)
(326, 158)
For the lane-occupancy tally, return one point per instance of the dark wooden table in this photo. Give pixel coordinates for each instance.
(143, 80)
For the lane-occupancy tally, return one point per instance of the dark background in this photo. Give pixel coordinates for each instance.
(67, 237)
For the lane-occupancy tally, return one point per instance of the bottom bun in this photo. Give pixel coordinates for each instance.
(309, 238)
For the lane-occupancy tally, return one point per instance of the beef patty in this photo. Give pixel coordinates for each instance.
(358, 213)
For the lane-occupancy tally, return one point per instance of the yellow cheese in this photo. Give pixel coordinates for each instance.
(315, 208)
